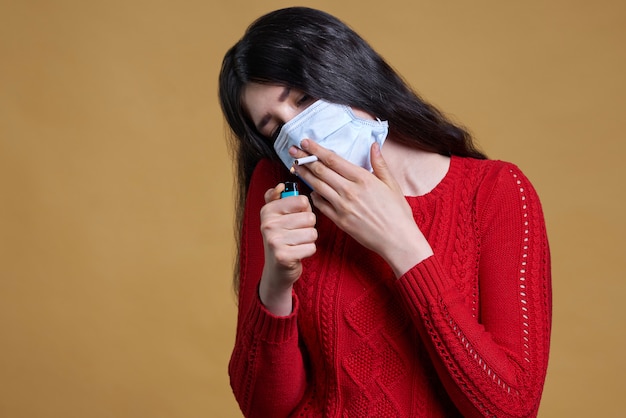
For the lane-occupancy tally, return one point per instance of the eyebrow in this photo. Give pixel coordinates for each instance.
(284, 95)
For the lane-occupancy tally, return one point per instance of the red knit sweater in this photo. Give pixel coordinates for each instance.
(465, 332)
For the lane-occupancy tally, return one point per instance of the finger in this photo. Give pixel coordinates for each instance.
(326, 176)
(291, 238)
(323, 205)
(295, 204)
(296, 152)
(281, 207)
(321, 179)
(277, 229)
(289, 254)
(274, 193)
(300, 236)
(331, 160)
(381, 169)
(299, 220)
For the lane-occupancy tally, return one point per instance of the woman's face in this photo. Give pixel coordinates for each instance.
(271, 106)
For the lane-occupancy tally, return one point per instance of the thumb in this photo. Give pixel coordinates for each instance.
(274, 193)
(381, 169)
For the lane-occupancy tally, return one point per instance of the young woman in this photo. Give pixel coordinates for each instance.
(411, 277)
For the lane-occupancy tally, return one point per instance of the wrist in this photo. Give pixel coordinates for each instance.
(277, 299)
(402, 258)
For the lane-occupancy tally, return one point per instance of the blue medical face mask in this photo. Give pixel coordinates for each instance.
(336, 128)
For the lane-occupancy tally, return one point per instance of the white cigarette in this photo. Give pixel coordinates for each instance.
(305, 160)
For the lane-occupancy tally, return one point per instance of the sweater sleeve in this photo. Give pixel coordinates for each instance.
(266, 368)
(493, 364)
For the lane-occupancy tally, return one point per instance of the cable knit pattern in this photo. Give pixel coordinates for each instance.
(463, 333)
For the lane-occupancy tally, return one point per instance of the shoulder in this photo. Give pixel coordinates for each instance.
(485, 169)
(501, 186)
(491, 175)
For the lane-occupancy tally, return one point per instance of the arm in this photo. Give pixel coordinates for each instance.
(495, 365)
(266, 368)
(484, 365)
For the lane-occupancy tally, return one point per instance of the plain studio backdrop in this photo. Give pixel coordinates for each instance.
(116, 203)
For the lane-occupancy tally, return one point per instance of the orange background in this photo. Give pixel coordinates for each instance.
(116, 240)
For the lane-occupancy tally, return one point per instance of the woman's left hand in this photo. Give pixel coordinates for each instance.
(369, 207)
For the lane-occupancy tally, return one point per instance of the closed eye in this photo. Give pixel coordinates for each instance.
(305, 99)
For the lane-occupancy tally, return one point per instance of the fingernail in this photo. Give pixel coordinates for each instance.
(293, 151)
(304, 144)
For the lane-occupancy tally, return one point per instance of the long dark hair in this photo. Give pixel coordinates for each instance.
(318, 54)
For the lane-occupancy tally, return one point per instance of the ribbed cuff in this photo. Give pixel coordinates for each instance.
(271, 328)
(425, 282)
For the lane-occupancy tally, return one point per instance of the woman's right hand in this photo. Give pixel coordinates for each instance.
(289, 235)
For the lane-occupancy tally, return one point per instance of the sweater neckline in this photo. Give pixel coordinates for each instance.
(444, 184)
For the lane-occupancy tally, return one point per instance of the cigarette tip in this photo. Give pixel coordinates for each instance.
(305, 160)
